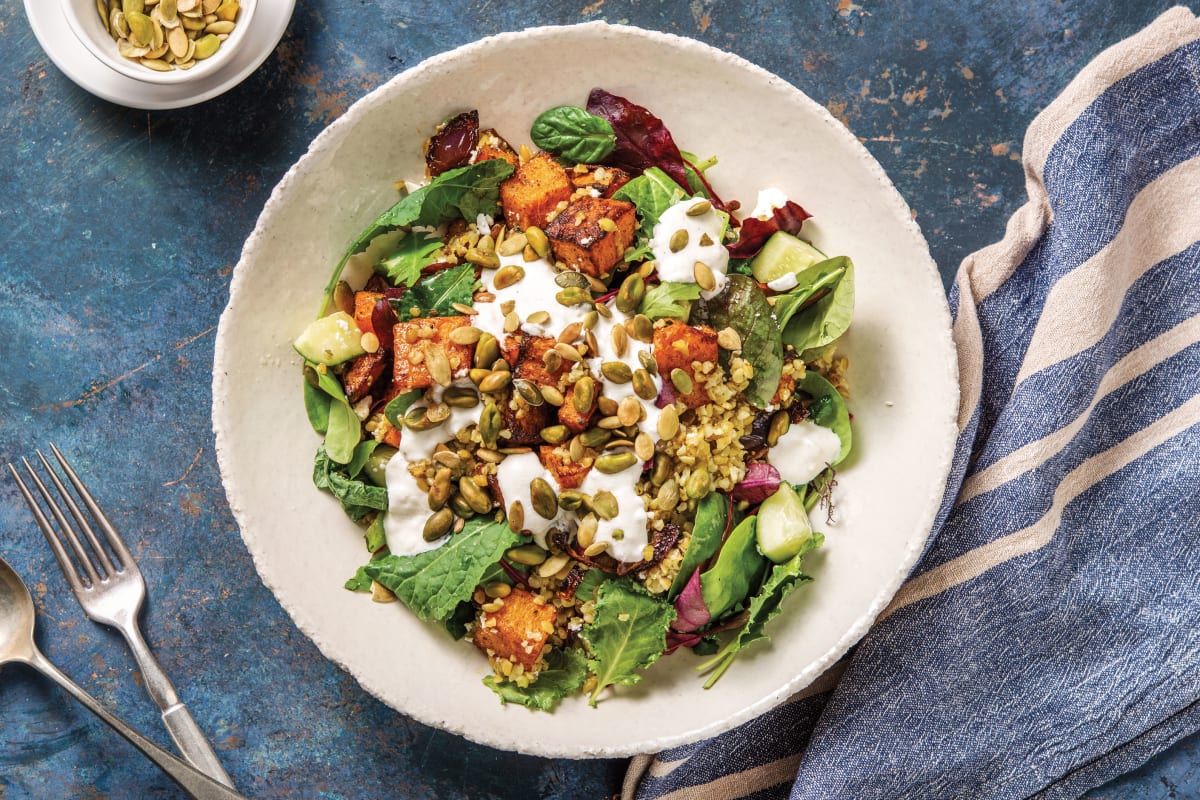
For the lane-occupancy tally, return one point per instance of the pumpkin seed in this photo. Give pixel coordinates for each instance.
(576, 450)
(616, 371)
(489, 424)
(439, 364)
(477, 374)
(594, 437)
(512, 245)
(178, 41)
(662, 469)
(417, 420)
(220, 26)
(704, 276)
(206, 46)
(141, 29)
(465, 334)
(528, 555)
(629, 411)
(496, 381)
(668, 423)
(602, 309)
(612, 463)
(569, 278)
(438, 525)
(538, 318)
(516, 517)
(644, 386)
(570, 333)
(461, 397)
(487, 350)
(591, 344)
(156, 64)
(572, 500)
(554, 434)
(630, 295)
(133, 7)
(780, 422)
(210, 6)
(511, 322)
(129, 51)
(585, 534)
(544, 501)
(606, 406)
(573, 296)
(678, 241)
(609, 423)
(528, 391)
(729, 339)
(437, 413)
(584, 394)
(461, 508)
(552, 360)
(648, 362)
(552, 565)
(567, 352)
(489, 455)
(464, 309)
(508, 275)
(643, 328)
(620, 340)
(682, 381)
(538, 241)
(706, 240)
(552, 396)
(668, 495)
(699, 484)
(228, 10)
(604, 503)
(448, 459)
(699, 209)
(591, 319)
(475, 495)
(439, 491)
(595, 549)
(494, 589)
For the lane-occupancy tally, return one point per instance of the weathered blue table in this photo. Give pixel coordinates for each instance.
(119, 232)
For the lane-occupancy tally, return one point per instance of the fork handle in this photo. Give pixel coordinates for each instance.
(189, 739)
(195, 783)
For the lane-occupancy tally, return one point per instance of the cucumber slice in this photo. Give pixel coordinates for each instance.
(330, 340)
(783, 254)
(783, 526)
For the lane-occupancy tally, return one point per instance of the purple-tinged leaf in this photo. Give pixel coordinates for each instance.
(761, 481)
(754, 232)
(689, 606)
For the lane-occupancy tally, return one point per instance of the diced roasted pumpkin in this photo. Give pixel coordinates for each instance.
(676, 346)
(362, 374)
(605, 180)
(516, 630)
(492, 145)
(525, 422)
(531, 364)
(570, 416)
(579, 241)
(567, 473)
(364, 306)
(534, 191)
(413, 341)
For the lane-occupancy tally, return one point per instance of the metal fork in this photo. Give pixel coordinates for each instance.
(113, 593)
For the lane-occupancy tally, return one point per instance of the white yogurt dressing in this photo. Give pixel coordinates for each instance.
(804, 451)
(515, 474)
(768, 201)
(631, 520)
(680, 267)
(534, 292)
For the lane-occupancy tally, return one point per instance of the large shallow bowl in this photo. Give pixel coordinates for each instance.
(766, 133)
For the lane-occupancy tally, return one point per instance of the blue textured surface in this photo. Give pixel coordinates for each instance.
(120, 229)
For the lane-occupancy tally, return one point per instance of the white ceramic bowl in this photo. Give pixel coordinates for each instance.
(766, 133)
(84, 20)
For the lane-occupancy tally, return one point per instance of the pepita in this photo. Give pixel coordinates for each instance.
(489, 455)
(780, 422)
(629, 296)
(543, 499)
(527, 555)
(228, 10)
(644, 385)
(570, 333)
(612, 463)
(643, 328)
(576, 450)
(604, 503)
(573, 296)
(437, 413)
(648, 362)
(699, 208)
(516, 517)
(591, 319)
(699, 483)
(538, 318)
(620, 340)
(496, 381)
(572, 500)
(511, 322)
(594, 437)
(178, 41)
(629, 411)
(682, 381)
(439, 491)
(729, 339)
(438, 525)
(529, 392)
(512, 245)
(585, 534)
(475, 495)
(668, 423)
(206, 46)
(553, 360)
(439, 365)
(538, 241)
(477, 374)
(595, 549)
(508, 275)
(704, 276)
(584, 395)
(609, 423)
(448, 459)
(220, 26)
(133, 7)
(706, 240)
(569, 278)
(606, 406)
(489, 424)
(552, 396)
(661, 471)
(466, 334)
(487, 350)
(141, 29)
(156, 64)
(461, 508)
(678, 240)
(668, 495)
(616, 371)
(554, 434)
(552, 565)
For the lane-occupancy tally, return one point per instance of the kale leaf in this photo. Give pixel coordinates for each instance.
(669, 299)
(413, 254)
(358, 499)
(628, 633)
(564, 675)
(437, 294)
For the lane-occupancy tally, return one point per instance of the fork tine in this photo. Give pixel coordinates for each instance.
(80, 519)
(110, 532)
(64, 561)
(64, 527)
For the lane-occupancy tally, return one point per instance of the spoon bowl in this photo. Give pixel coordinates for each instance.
(17, 621)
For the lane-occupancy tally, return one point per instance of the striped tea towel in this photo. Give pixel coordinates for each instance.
(1050, 638)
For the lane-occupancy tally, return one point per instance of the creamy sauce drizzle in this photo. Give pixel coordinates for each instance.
(804, 451)
(680, 266)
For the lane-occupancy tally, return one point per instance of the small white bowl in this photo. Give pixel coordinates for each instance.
(84, 20)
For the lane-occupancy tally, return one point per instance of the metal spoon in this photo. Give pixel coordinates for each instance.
(16, 645)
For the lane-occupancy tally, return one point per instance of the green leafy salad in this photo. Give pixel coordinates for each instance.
(581, 407)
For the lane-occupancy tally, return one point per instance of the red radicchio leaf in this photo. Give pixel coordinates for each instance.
(453, 144)
(693, 613)
(382, 320)
(755, 232)
(761, 481)
(678, 640)
(642, 139)
(666, 396)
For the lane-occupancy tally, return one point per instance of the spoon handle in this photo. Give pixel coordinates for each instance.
(194, 782)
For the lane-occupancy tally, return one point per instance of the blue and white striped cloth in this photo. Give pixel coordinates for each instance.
(1049, 640)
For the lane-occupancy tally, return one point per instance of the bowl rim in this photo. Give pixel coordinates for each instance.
(84, 23)
(939, 459)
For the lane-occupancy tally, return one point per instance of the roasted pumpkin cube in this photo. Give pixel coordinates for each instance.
(362, 374)
(413, 341)
(605, 180)
(531, 364)
(523, 421)
(364, 307)
(677, 346)
(567, 473)
(534, 191)
(517, 630)
(571, 417)
(492, 145)
(581, 239)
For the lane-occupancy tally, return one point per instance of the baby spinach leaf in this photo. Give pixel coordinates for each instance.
(374, 536)
(712, 516)
(669, 299)
(743, 307)
(358, 499)
(564, 674)
(343, 430)
(651, 193)
(812, 284)
(465, 192)
(828, 317)
(396, 407)
(763, 606)
(628, 633)
(360, 582)
(738, 569)
(437, 294)
(456, 623)
(413, 254)
(316, 406)
(572, 133)
(827, 409)
(433, 583)
(359, 458)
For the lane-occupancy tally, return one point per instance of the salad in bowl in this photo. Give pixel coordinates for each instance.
(585, 411)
